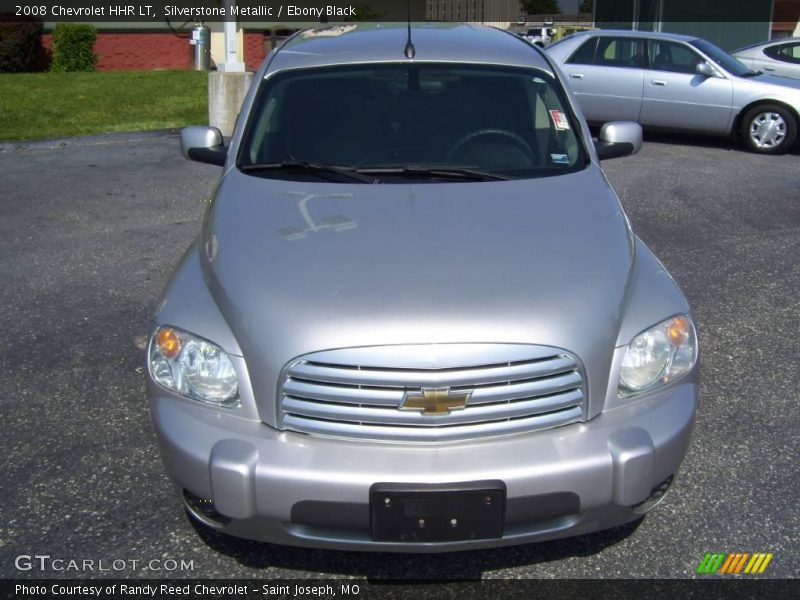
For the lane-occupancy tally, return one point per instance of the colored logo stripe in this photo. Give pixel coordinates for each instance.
(711, 562)
(734, 562)
(758, 563)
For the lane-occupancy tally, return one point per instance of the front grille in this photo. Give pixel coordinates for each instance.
(357, 392)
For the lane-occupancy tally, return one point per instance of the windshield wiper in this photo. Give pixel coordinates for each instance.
(435, 173)
(309, 167)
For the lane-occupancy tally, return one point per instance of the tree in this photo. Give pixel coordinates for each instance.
(586, 6)
(73, 47)
(365, 12)
(20, 43)
(540, 7)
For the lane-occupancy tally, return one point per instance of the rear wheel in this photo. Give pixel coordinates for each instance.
(769, 129)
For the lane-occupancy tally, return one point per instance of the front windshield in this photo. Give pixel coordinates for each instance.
(723, 59)
(388, 119)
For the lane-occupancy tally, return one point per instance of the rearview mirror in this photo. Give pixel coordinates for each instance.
(203, 144)
(618, 138)
(704, 69)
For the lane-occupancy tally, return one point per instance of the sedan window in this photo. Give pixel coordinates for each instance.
(585, 54)
(673, 57)
(620, 52)
(610, 52)
(785, 52)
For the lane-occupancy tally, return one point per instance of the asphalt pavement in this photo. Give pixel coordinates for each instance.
(89, 232)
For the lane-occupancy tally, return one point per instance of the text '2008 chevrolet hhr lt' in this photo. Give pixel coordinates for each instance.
(416, 318)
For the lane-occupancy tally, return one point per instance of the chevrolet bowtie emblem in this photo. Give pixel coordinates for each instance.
(435, 401)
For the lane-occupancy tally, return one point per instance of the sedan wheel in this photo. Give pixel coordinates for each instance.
(769, 129)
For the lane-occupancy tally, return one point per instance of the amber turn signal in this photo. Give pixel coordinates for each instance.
(168, 343)
(678, 331)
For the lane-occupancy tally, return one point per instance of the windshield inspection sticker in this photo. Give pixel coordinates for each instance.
(559, 120)
(559, 159)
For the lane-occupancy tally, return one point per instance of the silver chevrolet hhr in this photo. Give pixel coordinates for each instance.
(416, 318)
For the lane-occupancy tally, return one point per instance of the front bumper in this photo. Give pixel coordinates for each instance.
(302, 490)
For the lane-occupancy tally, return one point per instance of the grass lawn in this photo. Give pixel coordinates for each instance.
(47, 105)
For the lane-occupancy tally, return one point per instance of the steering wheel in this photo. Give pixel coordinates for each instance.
(500, 133)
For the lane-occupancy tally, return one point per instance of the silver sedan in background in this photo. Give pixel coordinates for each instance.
(777, 57)
(679, 83)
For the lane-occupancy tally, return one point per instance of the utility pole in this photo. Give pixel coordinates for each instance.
(228, 85)
(232, 63)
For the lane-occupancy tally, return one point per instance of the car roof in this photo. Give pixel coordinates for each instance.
(676, 37)
(358, 43)
(788, 40)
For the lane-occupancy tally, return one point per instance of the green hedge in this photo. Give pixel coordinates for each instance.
(20, 43)
(73, 47)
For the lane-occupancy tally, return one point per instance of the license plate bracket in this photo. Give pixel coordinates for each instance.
(414, 513)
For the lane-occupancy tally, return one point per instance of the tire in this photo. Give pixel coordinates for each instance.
(769, 129)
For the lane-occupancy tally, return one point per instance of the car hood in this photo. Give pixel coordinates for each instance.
(774, 83)
(297, 267)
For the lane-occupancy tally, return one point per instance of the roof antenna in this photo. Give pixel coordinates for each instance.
(410, 51)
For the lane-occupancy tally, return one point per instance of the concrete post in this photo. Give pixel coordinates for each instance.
(226, 92)
(232, 63)
(228, 86)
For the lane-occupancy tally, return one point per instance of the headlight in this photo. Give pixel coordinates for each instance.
(192, 367)
(659, 355)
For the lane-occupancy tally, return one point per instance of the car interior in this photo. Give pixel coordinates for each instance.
(398, 116)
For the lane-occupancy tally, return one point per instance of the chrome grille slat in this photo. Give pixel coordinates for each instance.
(519, 391)
(435, 434)
(432, 377)
(392, 416)
(357, 392)
(343, 394)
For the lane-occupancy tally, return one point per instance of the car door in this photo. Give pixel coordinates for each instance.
(606, 76)
(785, 60)
(676, 96)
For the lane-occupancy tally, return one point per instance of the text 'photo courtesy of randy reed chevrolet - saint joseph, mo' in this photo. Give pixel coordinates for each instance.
(195, 590)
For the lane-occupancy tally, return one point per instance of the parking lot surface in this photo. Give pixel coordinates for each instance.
(90, 231)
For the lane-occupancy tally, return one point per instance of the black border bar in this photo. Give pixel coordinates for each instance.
(711, 588)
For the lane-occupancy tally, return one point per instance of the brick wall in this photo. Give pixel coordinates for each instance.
(137, 51)
(254, 50)
(131, 51)
(155, 50)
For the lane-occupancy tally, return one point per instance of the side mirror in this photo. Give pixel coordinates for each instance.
(704, 69)
(203, 144)
(618, 138)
